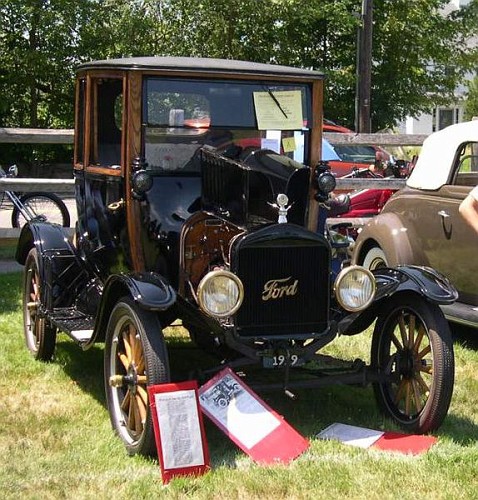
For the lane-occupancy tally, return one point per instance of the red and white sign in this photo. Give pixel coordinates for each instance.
(257, 429)
(178, 429)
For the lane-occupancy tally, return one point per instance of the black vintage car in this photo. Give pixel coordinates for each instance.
(201, 197)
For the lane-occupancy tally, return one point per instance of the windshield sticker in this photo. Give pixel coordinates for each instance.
(279, 110)
(288, 144)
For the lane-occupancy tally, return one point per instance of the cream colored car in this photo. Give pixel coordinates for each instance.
(421, 224)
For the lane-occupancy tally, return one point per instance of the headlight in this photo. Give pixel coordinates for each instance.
(355, 288)
(220, 293)
(326, 182)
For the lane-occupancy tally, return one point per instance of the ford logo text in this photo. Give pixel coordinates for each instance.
(278, 288)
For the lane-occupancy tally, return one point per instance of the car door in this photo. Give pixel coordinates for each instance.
(448, 243)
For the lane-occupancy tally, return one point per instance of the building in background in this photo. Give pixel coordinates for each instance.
(441, 116)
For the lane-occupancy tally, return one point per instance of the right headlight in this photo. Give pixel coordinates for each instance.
(355, 288)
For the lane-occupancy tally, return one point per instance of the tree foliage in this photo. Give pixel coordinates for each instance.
(419, 54)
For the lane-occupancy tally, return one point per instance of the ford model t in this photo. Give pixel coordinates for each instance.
(201, 197)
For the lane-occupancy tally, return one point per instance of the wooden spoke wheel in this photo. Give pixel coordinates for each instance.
(412, 345)
(135, 357)
(40, 337)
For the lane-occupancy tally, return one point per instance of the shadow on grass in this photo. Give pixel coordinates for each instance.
(309, 413)
(85, 368)
(465, 336)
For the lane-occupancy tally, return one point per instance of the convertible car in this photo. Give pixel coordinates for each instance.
(421, 224)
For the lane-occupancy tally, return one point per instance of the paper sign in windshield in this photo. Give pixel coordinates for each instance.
(278, 110)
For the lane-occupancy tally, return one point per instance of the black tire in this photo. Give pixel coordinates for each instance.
(135, 348)
(40, 337)
(46, 206)
(375, 258)
(412, 342)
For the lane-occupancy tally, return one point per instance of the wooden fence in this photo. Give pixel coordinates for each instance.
(65, 136)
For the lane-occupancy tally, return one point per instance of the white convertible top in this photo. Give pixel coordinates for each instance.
(438, 155)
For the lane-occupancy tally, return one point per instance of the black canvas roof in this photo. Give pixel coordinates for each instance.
(202, 65)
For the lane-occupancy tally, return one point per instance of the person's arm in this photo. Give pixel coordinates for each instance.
(469, 210)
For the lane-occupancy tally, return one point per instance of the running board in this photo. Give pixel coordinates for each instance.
(78, 325)
(465, 314)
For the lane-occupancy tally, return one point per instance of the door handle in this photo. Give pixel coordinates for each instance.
(444, 214)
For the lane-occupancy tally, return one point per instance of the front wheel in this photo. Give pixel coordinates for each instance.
(40, 336)
(45, 207)
(412, 346)
(135, 357)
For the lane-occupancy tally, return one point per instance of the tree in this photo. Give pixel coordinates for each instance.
(40, 43)
(419, 54)
(471, 102)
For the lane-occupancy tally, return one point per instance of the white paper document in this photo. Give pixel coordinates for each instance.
(179, 429)
(350, 434)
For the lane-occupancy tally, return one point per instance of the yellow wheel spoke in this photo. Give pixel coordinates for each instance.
(400, 392)
(124, 360)
(138, 427)
(411, 331)
(142, 379)
(131, 422)
(423, 384)
(140, 367)
(127, 347)
(424, 352)
(403, 329)
(408, 397)
(416, 395)
(141, 408)
(132, 341)
(142, 392)
(125, 403)
(418, 340)
(396, 342)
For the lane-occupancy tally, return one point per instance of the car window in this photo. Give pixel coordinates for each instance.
(466, 165)
(180, 116)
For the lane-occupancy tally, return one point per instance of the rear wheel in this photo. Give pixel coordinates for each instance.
(135, 357)
(374, 259)
(40, 337)
(44, 207)
(412, 345)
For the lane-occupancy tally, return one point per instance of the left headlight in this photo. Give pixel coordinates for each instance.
(355, 288)
(220, 293)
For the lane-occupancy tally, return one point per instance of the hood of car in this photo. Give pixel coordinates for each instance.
(437, 156)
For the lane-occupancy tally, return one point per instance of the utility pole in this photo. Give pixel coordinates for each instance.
(364, 69)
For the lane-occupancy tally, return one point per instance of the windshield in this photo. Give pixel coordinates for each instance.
(233, 117)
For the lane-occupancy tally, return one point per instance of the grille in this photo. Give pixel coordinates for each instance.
(286, 284)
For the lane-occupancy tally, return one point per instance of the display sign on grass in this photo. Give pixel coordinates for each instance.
(257, 429)
(178, 428)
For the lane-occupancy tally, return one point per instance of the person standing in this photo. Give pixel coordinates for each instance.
(469, 208)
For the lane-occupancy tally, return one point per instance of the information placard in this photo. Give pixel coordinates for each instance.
(257, 429)
(178, 428)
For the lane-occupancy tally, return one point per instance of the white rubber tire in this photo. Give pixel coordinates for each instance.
(374, 259)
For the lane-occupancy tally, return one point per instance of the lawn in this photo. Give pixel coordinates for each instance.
(56, 440)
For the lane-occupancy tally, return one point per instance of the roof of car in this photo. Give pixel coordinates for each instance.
(438, 155)
(201, 65)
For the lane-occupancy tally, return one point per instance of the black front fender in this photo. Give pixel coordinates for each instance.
(424, 281)
(149, 290)
(45, 237)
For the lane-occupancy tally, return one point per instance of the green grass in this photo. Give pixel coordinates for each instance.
(56, 440)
